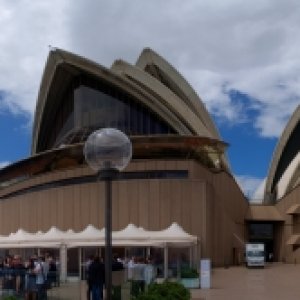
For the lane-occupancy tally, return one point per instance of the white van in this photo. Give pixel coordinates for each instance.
(255, 255)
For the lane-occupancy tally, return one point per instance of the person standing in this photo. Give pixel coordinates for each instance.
(116, 264)
(96, 278)
(19, 273)
(138, 277)
(30, 281)
(40, 279)
(52, 272)
(87, 266)
(149, 271)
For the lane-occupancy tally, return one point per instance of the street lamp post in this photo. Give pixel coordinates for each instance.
(108, 151)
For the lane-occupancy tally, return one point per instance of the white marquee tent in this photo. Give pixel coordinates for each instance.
(130, 236)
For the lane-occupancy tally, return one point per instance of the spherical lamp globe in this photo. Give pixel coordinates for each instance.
(107, 149)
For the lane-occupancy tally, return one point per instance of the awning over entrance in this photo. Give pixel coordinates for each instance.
(130, 236)
(263, 213)
(294, 240)
(294, 210)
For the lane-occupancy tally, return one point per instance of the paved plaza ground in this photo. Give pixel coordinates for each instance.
(275, 281)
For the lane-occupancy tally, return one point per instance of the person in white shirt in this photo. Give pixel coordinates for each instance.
(40, 279)
(138, 277)
(130, 266)
(149, 272)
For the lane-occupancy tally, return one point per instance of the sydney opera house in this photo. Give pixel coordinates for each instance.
(179, 172)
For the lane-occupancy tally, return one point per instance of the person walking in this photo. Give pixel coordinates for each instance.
(96, 278)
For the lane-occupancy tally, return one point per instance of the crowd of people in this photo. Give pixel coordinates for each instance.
(139, 271)
(29, 278)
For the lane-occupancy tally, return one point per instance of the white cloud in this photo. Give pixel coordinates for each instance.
(218, 46)
(4, 164)
(252, 187)
(27, 28)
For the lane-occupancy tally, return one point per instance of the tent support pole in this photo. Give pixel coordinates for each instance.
(166, 259)
(148, 252)
(63, 262)
(80, 262)
(178, 265)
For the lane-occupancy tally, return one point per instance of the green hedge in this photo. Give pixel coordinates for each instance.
(10, 297)
(166, 291)
(189, 273)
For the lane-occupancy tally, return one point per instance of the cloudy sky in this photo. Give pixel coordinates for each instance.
(242, 58)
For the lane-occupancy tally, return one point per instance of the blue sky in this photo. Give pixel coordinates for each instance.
(16, 136)
(242, 58)
(248, 151)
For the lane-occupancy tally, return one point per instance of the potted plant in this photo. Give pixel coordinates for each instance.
(190, 278)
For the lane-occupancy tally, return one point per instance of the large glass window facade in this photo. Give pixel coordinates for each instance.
(96, 109)
(90, 104)
(58, 121)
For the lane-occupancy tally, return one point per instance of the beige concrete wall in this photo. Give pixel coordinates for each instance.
(291, 226)
(208, 205)
(153, 204)
(230, 208)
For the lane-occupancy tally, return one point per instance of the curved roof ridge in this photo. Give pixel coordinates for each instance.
(282, 142)
(149, 57)
(187, 117)
(289, 177)
(170, 100)
(55, 58)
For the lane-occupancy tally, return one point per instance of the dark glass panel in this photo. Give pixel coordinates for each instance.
(90, 104)
(95, 109)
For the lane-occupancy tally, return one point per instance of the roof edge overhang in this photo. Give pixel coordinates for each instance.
(294, 240)
(170, 100)
(293, 209)
(46, 161)
(263, 213)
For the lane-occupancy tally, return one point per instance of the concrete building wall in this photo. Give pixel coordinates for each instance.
(291, 227)
(230, 208)
(205, 204)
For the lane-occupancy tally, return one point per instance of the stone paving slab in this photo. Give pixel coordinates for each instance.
(274, 282)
